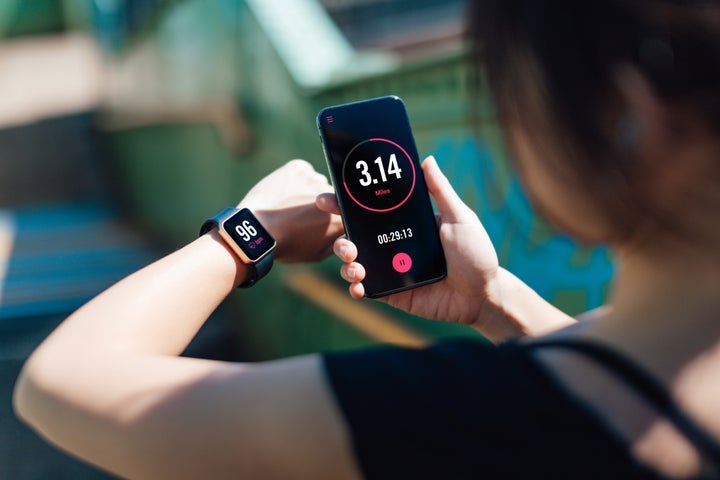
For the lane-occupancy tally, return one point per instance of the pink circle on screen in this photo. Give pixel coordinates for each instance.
(412, 187)
(402, 262)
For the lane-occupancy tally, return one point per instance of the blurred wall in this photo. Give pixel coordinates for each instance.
(203, 97)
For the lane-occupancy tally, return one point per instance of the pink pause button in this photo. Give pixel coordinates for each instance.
(402, 262)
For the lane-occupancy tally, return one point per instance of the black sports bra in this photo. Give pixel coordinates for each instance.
(649, 388)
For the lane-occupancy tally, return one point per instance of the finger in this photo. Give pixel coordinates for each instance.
(452, 208)
(345, 249)
(352, 272)
(357, 290)
(327, 202)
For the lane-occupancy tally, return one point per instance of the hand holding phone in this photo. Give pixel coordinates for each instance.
(381, 191)
(471, 293)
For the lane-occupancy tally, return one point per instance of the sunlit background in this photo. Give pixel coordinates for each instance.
(125, 123)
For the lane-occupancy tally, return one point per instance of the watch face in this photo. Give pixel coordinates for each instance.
(249, 234)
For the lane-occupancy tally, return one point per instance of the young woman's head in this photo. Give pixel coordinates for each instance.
(612, 111)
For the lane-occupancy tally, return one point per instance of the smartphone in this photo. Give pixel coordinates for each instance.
(384, 202)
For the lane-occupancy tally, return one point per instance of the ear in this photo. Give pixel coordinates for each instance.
(645, 126)
(673, 159)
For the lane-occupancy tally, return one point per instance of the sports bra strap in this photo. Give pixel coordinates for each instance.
(644, 383)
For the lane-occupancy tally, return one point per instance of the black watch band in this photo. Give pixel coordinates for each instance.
(258, 270)
(242, 245)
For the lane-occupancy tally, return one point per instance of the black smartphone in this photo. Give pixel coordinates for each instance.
(385, 206)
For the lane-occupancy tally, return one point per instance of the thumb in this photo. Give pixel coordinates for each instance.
(327, 202)
(452, 208)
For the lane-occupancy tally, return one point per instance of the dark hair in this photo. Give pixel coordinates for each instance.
(554, 62)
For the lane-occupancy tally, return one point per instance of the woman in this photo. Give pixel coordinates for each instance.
(611, 110)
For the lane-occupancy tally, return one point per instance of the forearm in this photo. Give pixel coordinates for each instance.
(158, 309)
(515, 310)
(108, 386)
(127, 332)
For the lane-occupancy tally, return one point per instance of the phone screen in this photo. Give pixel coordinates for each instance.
(374, 165)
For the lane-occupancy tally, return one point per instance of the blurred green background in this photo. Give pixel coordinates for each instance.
(125, 123)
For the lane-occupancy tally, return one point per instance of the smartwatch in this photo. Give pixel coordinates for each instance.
(246, 236)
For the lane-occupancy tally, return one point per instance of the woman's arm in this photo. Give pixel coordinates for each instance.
(107, 384)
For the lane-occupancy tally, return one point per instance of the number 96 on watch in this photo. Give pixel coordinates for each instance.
(386, 209)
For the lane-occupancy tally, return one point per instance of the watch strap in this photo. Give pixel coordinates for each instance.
(256, 270)
(215, 220)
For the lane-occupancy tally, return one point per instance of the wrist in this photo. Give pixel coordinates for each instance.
(497, 318)
(226, 265)
(515, 310)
